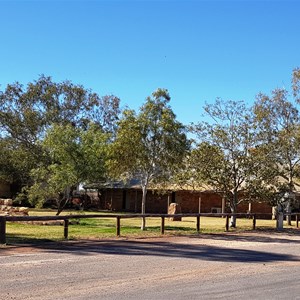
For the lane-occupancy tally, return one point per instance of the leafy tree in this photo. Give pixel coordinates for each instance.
(6, 169)
(150, 145)
(278, 120)
(77, 156)
(28, 113)
(222, 158)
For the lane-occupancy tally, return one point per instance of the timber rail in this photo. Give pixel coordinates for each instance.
(118, 217)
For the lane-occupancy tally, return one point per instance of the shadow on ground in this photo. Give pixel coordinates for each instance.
(157, 247)
(286, 236)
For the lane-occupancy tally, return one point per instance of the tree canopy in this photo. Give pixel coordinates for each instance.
(56, 135)
(223, 158)
(77, 156)
(250, 154)
(46, 125)
(277, 117)
(150, 145)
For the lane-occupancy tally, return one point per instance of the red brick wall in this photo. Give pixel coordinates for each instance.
(111, 199)
(157, 203)
(189, 201)
(114, 200)
(256, 208)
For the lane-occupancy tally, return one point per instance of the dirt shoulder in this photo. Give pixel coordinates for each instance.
(227, 240)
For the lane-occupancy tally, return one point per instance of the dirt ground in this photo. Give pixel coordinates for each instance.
(229, 240)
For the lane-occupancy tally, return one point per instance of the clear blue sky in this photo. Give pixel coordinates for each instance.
(198, 50)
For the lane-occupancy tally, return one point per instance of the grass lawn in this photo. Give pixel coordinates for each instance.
(106, 227)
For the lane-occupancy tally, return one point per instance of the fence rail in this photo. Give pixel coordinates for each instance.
(118, 217)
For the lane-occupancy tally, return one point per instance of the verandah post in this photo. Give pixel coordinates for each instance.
(2, 230)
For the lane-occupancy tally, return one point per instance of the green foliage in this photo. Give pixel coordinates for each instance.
(56, 135)
(150, 145)
(49, 134)
(277, 117)
(249, 154)
(223, 159)
(76, 155)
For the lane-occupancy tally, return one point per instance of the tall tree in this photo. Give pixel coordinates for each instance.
(279, 123)
(28, 112)
(150, 145)
(222, 158)
(77, 156)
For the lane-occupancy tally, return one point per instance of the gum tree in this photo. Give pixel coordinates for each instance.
(277, 117)
(77, 156)
(222, 157)
(28, 113)
(149, 145)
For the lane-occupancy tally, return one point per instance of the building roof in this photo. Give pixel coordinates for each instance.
(136, 184)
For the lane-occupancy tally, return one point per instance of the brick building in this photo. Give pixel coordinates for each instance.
(129, 199)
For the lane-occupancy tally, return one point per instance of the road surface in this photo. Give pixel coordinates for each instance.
(246, 266)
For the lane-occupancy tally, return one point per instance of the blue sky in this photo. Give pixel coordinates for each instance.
(198, 50)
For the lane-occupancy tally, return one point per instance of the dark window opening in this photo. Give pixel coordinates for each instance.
(124, 199)
(173, 199)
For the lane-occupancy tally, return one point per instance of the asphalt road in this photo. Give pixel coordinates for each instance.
(247, 266)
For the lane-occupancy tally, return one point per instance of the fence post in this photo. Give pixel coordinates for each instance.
(66, 228)
(254, 222)
(2, 230)
(118, 229)
(227, 223)
(162, 226)
(198, 224)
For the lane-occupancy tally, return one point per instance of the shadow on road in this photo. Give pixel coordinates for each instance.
(162, 248)
(265, 236)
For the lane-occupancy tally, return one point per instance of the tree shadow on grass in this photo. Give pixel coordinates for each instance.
(27, 240)
(159, 248)
(172, 228)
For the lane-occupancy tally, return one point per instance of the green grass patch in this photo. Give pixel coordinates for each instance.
(100, 228)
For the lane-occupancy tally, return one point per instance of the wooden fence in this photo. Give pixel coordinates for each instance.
(118, 217)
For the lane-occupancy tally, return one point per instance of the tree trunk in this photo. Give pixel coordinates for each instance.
(223, 205)
(63, 199)
(289, 204)
(233, 210)
(288, 211)
(61, 205)
(279, 218)
(144, 189)
(233, 218)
